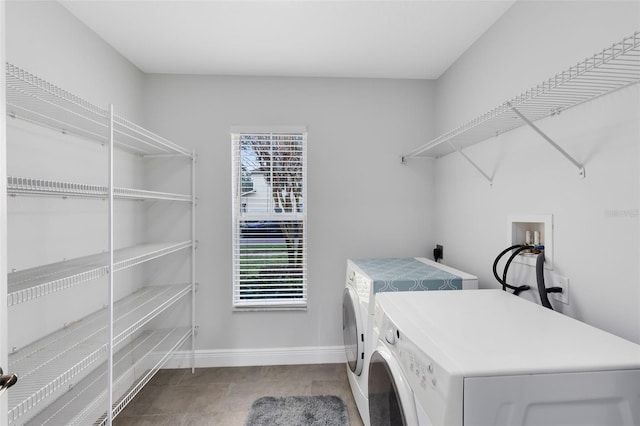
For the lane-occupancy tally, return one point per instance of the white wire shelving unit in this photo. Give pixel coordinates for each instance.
(86, 372)
(611, 69)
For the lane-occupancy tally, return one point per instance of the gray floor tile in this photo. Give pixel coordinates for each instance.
(222, 375)
(304, 372)
(223, 418)
(155, 420)
(169, 377)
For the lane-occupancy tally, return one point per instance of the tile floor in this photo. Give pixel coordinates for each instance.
(222, 396)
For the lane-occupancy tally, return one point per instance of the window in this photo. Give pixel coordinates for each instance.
(269, 219)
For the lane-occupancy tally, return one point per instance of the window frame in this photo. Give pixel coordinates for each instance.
(240, 215)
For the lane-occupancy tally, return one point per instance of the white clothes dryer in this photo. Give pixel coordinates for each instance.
(487, 357)
(367, 277)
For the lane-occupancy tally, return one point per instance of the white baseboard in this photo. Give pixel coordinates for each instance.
(253, 357)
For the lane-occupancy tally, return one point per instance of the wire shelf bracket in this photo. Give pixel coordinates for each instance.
(470, 161)
(581, 171)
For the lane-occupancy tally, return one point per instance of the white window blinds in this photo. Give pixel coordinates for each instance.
(269, 220)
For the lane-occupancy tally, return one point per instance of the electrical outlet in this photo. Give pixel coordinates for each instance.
(438, 253)
(562, 282)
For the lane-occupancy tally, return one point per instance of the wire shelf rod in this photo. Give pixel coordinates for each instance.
(158, 141)
(141, 141)
(599, 78)
(41, 100)
(155, 195)
(621, 74)
(68, 128)
(604, 75)
(601, 86)
(577, 87)
(629, 59)
(52, 123)
(163, 155)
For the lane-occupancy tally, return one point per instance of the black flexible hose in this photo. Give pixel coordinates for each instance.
(542, 289)
(495, 266)
(513, 256)
(503, 281)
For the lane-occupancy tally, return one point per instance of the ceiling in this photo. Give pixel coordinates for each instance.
(416, 39)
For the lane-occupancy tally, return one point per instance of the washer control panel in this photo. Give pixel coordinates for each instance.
(428, 380)
(360, 282)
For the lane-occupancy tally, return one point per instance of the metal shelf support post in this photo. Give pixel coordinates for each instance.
(111, 271)
(581, 172)
(193, 262)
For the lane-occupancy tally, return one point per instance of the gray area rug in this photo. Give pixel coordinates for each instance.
(325, 410)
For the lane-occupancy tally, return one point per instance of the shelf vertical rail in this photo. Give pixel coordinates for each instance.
(111, 271)
(580, 167)
(4, 359)
(193, 262)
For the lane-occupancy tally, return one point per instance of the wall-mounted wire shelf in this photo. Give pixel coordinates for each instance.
(134, 366)
(47, 367)
(611, 69)
(17, 185)
(36, 100)
(36, 282)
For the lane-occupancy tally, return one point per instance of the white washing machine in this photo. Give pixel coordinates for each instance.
(367, 277)
(486, 357)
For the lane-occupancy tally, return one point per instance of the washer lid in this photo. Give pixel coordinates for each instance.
(491, 332)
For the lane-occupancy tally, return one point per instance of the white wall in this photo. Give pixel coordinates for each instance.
(361, 201)
(596, 219)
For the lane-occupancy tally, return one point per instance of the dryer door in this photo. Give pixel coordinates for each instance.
(352, 330)
(391, 401)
